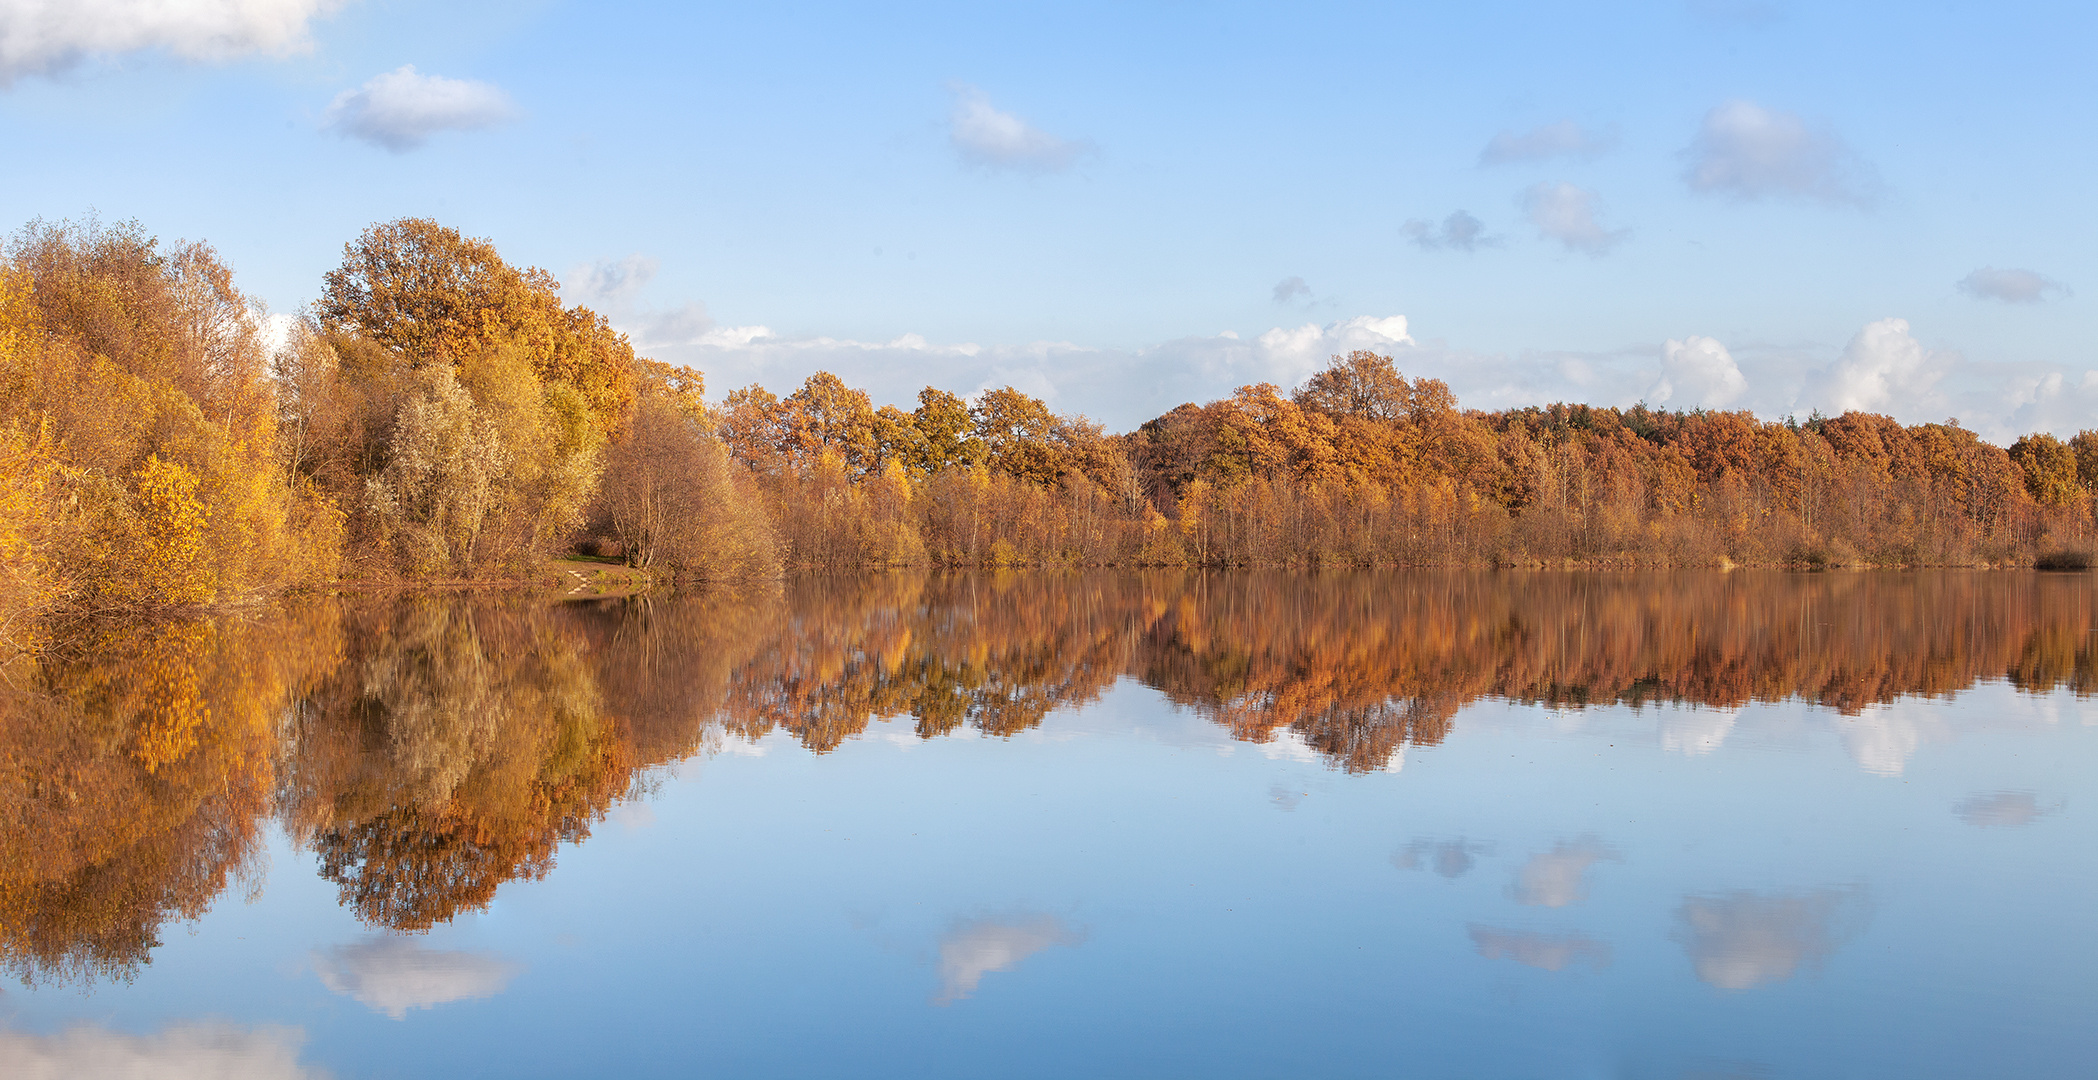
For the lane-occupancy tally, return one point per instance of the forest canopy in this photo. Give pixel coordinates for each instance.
(440, 415)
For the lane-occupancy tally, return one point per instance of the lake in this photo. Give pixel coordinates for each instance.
(1040, 825)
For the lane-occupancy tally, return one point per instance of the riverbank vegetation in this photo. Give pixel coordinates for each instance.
(441, 416)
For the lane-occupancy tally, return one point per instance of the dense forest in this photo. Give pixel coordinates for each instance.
(439, 415)
(425, 750)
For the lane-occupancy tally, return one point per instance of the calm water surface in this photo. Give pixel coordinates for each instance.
(1514, 825)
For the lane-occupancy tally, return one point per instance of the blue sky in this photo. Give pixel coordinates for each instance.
(1777, 206)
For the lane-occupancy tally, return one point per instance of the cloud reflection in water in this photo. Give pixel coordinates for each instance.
(1547, 952)
(394, 975)
(1743, 940)
(976, 947)
(1450, 858)
(2002, 809)
(180, 1051)
(1559, 877)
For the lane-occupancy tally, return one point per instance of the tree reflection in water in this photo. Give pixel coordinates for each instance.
(429, 750)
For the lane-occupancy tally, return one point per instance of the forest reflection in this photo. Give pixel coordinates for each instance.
(428, 750)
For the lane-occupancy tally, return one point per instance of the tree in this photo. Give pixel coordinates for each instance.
(754, 426)
(437, 297)
(674, 502)
(946, 433)
(439, 484)
(826, 415)
(1016, 430)
(2049, 468)
(1362, 384)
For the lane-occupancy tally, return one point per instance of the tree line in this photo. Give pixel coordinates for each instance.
(426, 750)
(441, 415)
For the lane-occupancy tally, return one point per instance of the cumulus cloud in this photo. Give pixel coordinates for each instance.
(1563, 139)
(1291, 288)
(1569, 215)
(183, 1051)
(984, 135)
(1697, 372)
(2010, 286)
(1459, 231)
(2002, 809)
(1743, 940)
(402, 108)
(394, 975)
(1558, 877)
(1549, 952)
(1747, 152)
(1883, 365)
(41, 37)
(1450, 858)
(974, 948)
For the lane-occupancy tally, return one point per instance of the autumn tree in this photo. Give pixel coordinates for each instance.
(825, 415)
(1016, 432)
(675, 502)
(140, 373)
(1361, 384)
(435, 296)
(946, 434)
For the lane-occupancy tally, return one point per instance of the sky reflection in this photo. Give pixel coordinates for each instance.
(180, 1051)
(394, 975)
(974, 948)
(1745, 940)
(1559, 877)
(1546, 952)
(2002, 809)
(1647, 825)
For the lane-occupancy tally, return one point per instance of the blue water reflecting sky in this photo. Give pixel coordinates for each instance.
(1774, 890)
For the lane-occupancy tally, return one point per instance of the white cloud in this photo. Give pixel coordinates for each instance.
(1749, 152)
(1291, 288)
(977, 947)
(2002, 809)
(1883, 367)
(1697, 372)
(2010, 286)
(1549, 952)
(40, 37)
(1744, 940)
(394, 975)
(1559, 877)
(1563, 139)
(1460, 231)
(1305, 349)
(401, 109)
(182, 1051)
(1568, 214)
(983, 135)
